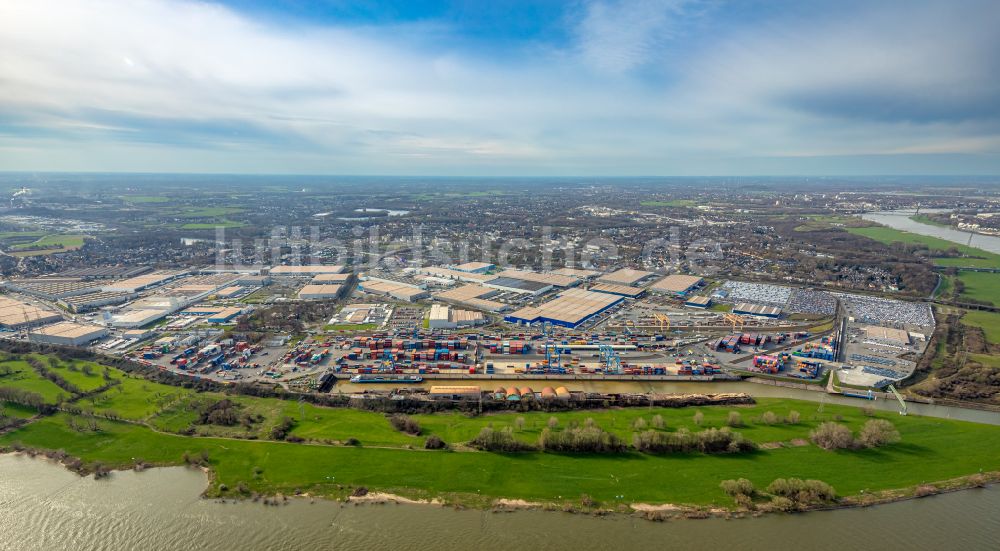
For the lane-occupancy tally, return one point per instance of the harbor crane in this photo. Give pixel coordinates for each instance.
(736, 320)
(610, 359)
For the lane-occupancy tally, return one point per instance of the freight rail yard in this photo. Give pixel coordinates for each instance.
(473, 323)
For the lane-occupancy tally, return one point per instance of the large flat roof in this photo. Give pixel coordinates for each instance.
(15, 313)
(571, 307)
(320, 289)
(676, 283)
(67, 329)
(455, 274)
(557, 280)
(516, 283)
(472, 266)
(576, 272)
(466, 292)
(615, 289)
(627, 276)
(331, 278)
(306, 270)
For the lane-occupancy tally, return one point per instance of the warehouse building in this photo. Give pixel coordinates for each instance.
(225, 316)
(401, 291)
(678, 285)
(887, 335)
(320, 291)
(92, 301)
(445, 317)
(621, 290)
(15, 314)
(626, 276)
(473, 296)
(332, 278)
(474, 267)
(571, 308)
(555, 280)
(137, 318)
(108, 272)
(304, 271)
(67, 333)
(698, 302)
(522, 286)
(230, 292)
(143, 282)
(576, 272)
(448, 273)
(748, 309)
(52, 289)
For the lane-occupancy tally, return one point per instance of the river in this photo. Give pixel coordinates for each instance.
(900, 220)
(44, 506)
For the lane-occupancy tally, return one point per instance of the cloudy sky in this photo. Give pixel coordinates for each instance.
(501, 87)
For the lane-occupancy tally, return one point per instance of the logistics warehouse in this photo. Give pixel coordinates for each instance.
(571, 308)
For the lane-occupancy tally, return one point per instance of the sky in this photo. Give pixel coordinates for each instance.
(501, 87)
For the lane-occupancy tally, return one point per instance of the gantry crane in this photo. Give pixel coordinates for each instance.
(736, 321)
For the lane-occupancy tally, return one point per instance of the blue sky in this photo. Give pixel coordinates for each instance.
(587, 87)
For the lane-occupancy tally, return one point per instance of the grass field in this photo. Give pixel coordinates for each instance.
(208, 212)
(22, 376)
(978, 257)
(388, 460)
(989, 322)
(984, 286)
(671, 203)
(931, 450)
(46, 244)
(213, 225)
(924, 219)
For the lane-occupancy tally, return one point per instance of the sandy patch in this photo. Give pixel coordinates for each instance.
(382, 497)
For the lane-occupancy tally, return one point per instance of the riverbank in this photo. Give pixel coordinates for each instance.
(931, 449)
(159, 509)
(255, 446)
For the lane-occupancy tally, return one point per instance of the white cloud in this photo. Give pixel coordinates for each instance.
(185, 85)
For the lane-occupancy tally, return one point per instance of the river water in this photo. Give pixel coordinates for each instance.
(900, 220)
(43, 506)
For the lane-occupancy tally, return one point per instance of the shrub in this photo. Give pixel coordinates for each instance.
(769, 418)
(734, 488)
(639, 423)
(832, 436)
(553, 422)
(501, 440)
(802, 491)
(658, 422)
(782, 503)
(793, 418)
(878, 432)
(281, 430)
(698, 418)
(683, 441)
(519, 423)
(434, 442)
(404, 423)
(734, 419)
(581, 440)
(352, 442)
